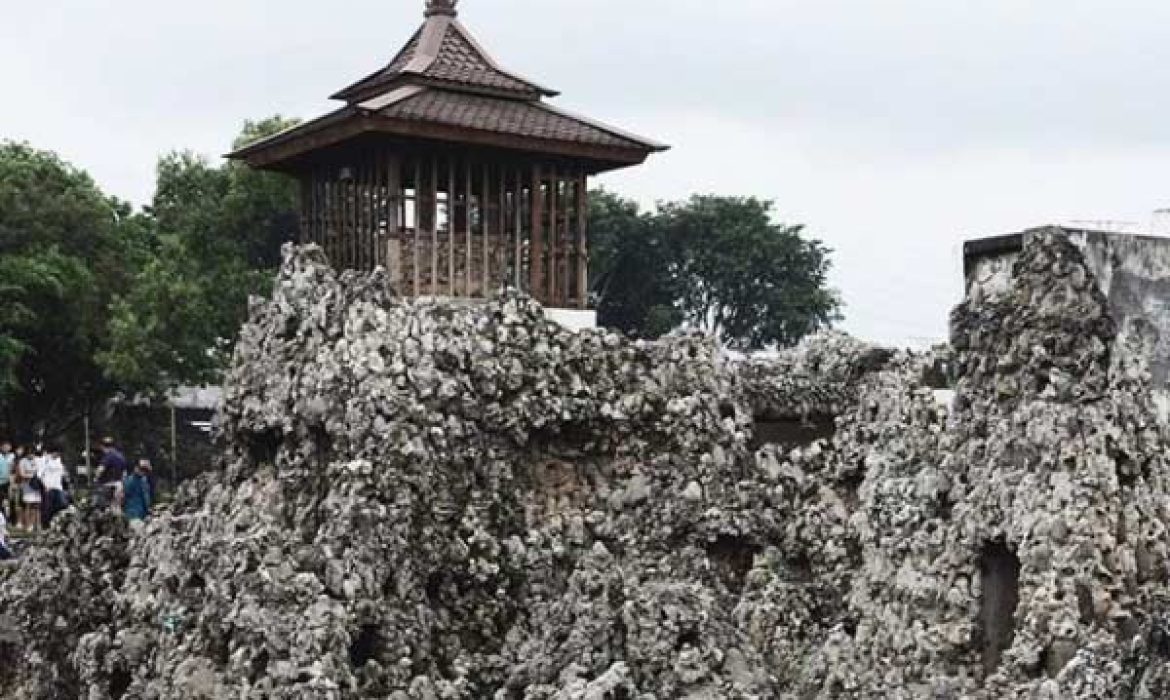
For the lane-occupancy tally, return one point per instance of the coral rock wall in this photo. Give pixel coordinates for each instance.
(422, 500)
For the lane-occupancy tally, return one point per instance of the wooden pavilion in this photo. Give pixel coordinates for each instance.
(452, 173)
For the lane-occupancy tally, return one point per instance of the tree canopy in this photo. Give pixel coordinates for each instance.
(96, 299)
(720, 264)
(218, 232)
(66, 251)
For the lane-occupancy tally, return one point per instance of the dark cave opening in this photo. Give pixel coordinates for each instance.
(732, 557)
(365, 646)
(120, 680)
(999, 571)
(687, 638)
(263, 446)
(792, 432)
(259, 666)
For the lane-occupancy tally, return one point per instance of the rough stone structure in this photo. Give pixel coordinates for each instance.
(1131, 271)
(423, 500)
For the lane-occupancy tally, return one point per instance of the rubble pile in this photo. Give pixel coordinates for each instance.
(433, 499)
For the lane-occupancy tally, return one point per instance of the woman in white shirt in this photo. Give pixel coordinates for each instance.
(51, 472)
(30, 514)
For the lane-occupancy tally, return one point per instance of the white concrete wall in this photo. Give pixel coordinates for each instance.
(573, 319)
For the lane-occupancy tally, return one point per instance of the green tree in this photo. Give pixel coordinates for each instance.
(633, 283)
(750, 281)
(219, 233)
(716, 263)
(66, 250)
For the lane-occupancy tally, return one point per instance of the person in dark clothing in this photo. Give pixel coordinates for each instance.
(111, 470)
(136, 493)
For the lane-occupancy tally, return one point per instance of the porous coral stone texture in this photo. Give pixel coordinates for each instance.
(428, 499)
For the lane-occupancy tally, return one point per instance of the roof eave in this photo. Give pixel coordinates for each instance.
(649, 144)
(619, 157)
(292, 133)
(391, 83)
(277, 152)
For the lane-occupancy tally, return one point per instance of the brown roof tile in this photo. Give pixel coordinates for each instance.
(442, 50)
(405, 55)
(461, 63)
(519, 118)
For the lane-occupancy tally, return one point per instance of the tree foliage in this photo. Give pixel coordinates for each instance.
(66, 250)
(716, 263)
(97, 300)
(218, 235)
(634, 284)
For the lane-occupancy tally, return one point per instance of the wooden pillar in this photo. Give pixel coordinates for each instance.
(549, 293)
(536, 237)
(503, 252)
(318, 228)
(485, 217)
(355, 198)
(318, 211)
(452, 217)
(359, 216)
(306, 235)
(311, 232)
(372, 217)
(370, 202)
(360, 223)
(323, 213)
(568, 240)
(418, 219)
(330, 192)
(378, 204)
(468, 290)
(347, 221)
(583, 241)
(369, 190)
(355, 186)
(332, 206)
(343, 209)
(338, 216)
(392, 246)
(433, 211)
(517, 228)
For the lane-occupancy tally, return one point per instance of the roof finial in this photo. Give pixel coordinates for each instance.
(441, 7)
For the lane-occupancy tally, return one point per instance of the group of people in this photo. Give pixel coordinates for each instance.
(35, 487)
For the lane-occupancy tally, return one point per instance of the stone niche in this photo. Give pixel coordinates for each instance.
(792, 431)
(999, 571)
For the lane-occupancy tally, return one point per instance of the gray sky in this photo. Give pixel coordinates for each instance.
(893, 129)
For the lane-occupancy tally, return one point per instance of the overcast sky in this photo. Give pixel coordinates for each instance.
(893, 129)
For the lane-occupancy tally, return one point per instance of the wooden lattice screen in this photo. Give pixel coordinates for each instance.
(449, 225)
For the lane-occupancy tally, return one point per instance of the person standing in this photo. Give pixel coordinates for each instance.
(15, 496)
(6, 552)
(30, 494)
(7, 462)
(110, 473)
(136, 492)
(51, 473)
